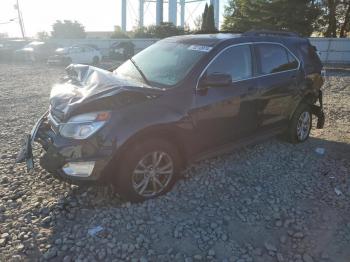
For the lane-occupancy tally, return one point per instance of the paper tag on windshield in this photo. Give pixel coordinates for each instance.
(201, 48)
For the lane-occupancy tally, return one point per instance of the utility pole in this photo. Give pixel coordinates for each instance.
(159, 12)
(20, 19)
(124, 15)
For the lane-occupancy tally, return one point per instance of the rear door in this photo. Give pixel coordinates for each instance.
(278, 77)
(224, 114)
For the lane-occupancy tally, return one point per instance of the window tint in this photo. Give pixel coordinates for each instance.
(275, 58)
(235, 61)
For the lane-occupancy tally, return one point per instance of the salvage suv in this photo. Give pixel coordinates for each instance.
(182, 99)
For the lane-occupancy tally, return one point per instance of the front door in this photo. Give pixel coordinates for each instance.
(223, 114)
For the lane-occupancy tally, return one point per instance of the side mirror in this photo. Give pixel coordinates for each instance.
(216, 80)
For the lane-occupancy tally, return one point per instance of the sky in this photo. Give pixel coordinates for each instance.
(95, 15)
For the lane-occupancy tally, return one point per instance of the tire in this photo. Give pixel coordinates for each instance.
(95, 60)
(130, 179)
(300, 124)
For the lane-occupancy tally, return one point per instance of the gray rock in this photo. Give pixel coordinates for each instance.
(3, 242)
(197, 257)
(307, 258)
(298, 235)
(211, 252)
(143, 259)
(279, 257)
(67, 259)
(46, 221)
(270, 247)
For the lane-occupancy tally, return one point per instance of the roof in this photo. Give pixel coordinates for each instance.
(214, 39)
(203, 39)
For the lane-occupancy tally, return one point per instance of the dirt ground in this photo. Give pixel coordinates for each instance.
(268, 202)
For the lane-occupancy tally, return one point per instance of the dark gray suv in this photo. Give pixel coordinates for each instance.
(182, 99)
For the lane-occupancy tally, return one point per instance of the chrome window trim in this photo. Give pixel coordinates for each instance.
(254, 77)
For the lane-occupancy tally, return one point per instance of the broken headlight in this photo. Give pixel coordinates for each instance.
(85, 125)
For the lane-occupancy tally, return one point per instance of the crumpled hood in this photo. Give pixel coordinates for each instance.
(87, 84)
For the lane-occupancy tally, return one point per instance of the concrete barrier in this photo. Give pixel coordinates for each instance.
(331, 50)
(105, 44)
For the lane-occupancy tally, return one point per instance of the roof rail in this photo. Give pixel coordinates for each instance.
(219, 32)
(270, 33)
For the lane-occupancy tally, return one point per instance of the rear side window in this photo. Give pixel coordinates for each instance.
(275, 58)
(235, 61)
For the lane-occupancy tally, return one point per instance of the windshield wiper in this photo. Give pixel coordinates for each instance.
(140, 71)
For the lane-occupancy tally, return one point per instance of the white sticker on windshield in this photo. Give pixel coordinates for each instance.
(201, 48)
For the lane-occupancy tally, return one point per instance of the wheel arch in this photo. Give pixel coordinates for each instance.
(308, 98)
(167, 133)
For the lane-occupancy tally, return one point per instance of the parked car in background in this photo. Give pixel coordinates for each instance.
(36, 51)
(122, 50)
(8, 48)
(182, 99)
(77, 54)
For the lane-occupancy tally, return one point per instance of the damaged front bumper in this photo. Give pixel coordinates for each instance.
(67, 159)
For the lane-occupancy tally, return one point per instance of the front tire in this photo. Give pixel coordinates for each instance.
(147, 170)
(300, 125)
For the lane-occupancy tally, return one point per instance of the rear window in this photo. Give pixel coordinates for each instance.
(275, 58)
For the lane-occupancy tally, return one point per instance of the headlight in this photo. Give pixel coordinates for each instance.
(85, 125)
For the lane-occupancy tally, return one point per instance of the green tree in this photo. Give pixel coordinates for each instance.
(68, 29)
(335, 19)
(298, 15)
(208, 21)
(198, 21)
(118, 33)
(4, 35)
(142, 32)
(43, 35)
(158, 31)
(211, 20)
(204, 27)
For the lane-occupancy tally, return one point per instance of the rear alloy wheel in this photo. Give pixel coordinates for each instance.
(300, 125)
(148, 169)
(304, 126)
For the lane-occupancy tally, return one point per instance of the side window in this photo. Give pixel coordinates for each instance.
(236, 61)
(275, 58)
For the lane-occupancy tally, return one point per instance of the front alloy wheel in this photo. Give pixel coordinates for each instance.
(152, 174)
(147, 169)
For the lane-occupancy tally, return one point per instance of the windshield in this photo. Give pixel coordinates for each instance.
(164, 63)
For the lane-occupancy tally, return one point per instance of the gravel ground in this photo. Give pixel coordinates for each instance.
(268, 202)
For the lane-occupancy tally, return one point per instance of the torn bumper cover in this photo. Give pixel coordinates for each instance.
(26, 153)
(318, 111)
(62, 158)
